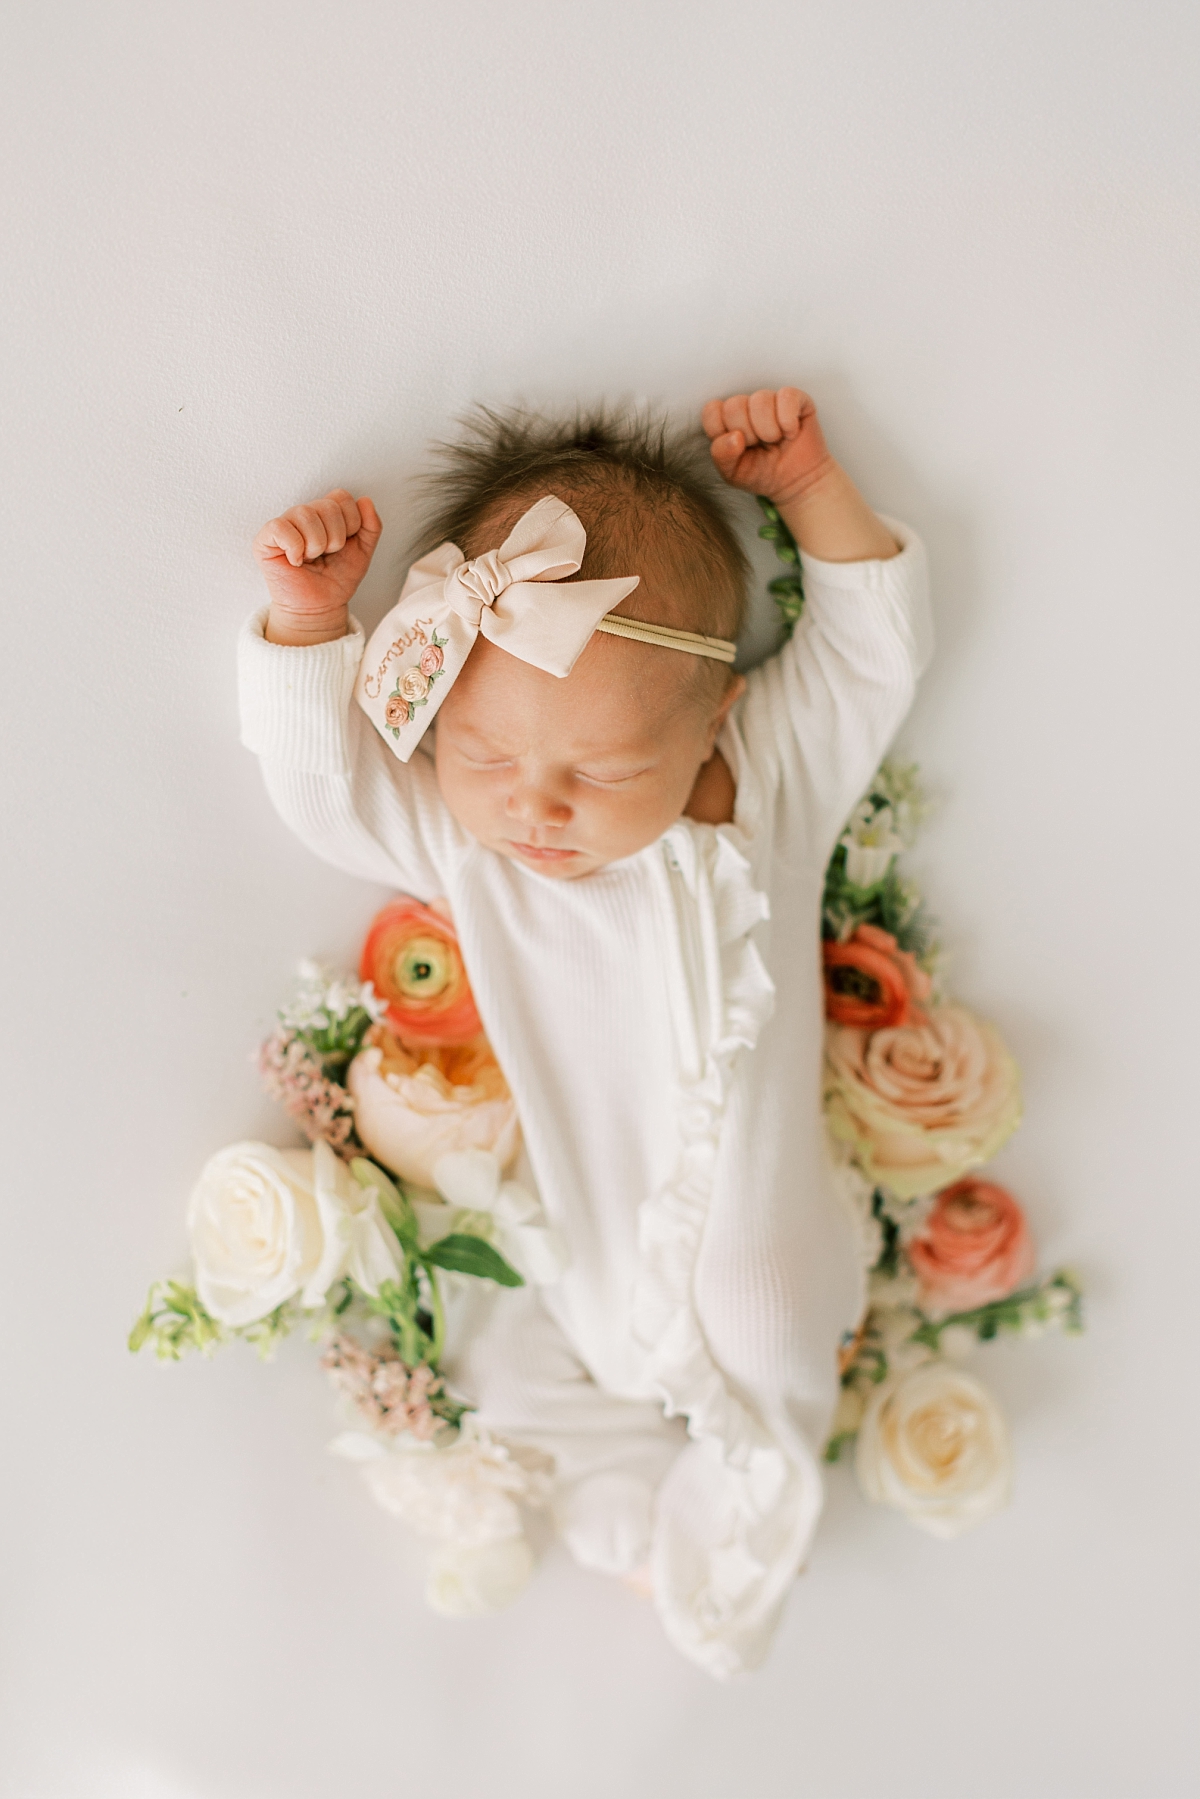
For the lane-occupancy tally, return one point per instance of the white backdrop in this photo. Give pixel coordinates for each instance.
(257, 249)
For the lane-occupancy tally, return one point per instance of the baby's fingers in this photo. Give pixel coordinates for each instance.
(370, 526)
(339, 513)
(315, 523)
(304, 533)
(280, 537)
(764, 415)
(790, 407)
(737, 417)
(727, 451)
(712, 418)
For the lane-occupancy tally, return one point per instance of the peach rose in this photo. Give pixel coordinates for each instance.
(921, 1103)
(431, 660)
(975, 1246)
(412, 1105)
(870, 982)
(395, 713)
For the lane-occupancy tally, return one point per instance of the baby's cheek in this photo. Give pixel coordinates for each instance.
(465, 798)
(641, 815)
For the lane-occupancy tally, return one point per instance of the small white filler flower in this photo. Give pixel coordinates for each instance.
(871, 842)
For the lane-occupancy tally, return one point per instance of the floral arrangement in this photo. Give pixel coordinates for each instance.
(919, 1095)
(399, 1203)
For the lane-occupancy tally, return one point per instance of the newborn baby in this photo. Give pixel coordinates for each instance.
(632, 839)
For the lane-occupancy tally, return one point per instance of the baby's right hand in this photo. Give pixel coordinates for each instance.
(313, 558)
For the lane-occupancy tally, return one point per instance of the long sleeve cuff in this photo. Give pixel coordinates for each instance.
(901, 583)
(295, 701)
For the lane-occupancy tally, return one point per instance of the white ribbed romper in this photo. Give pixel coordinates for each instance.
(659, 1023)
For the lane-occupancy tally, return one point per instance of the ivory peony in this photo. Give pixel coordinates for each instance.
(414, 1104)
(933, 1444)
(269, 1224)
(921, 1103)
(975, 1246)
(468, 1494)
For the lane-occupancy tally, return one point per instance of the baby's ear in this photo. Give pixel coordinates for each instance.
(729, 699)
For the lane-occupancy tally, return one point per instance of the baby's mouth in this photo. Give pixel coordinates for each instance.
(537, 852)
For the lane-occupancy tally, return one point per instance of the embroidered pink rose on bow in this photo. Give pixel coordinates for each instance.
(447, 601)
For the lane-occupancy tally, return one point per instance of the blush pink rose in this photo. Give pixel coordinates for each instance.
(921, 1103)
(976, 1246)
(431, 660)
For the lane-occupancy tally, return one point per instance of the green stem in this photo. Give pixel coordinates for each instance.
(410, 1342)
(438, 1312)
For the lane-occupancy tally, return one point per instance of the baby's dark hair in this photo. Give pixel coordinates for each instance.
(646, 494)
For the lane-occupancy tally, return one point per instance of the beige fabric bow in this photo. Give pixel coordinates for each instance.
(417, 651)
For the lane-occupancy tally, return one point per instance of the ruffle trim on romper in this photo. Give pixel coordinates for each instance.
(721, 997)
(735, 1513)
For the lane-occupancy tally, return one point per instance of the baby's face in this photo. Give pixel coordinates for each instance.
(565, 775)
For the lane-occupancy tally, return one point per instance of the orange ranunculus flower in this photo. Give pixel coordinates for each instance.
(870, 983)
(975, 1246)
(412, 956)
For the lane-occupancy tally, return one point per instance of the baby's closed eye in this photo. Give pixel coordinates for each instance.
(486, 762)
(609, 778)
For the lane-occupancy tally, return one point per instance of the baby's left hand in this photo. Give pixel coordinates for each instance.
(768, 442)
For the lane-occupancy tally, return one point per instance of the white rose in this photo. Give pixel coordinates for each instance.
(359, 1241)
(267, 1224)
(933, 1444)
(471, 1582)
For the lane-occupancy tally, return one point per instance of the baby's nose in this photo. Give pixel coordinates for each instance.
(537, 806)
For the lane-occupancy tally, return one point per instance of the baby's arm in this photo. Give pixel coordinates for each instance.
(327, 771)
(818, 717)
(771, 443)
(313, 558)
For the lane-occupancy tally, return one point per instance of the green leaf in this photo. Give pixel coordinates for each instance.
(471, 1255)
(786, 590)
(174, 1322)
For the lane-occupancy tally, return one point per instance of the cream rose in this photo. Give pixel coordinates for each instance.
(933, 1444)
(269, 1224)
(414, 1105)
(475, 1582)
(919, 1104)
